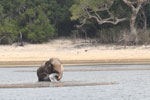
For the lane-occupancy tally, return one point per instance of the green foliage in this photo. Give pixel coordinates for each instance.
(37, 20)
(40, 20)
(36, 26)
(38, 34)
(119, 9)
(8, 29)
(78, 9)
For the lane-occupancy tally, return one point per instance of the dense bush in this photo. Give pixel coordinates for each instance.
(37, 21)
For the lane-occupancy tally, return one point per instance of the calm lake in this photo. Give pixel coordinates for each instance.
(133, 83)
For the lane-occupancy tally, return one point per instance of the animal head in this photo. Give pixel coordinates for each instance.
(48, 66)
(57, 67)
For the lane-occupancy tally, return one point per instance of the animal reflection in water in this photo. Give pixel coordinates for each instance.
(52, 70)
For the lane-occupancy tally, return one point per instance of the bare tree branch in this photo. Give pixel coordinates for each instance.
(138, 4)
(129, 3)
(115, 21)
(97, 15)
(111, 19)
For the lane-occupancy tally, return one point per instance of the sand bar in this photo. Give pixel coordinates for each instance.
(53, 84)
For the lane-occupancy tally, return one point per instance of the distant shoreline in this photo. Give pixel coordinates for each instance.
(76, 63)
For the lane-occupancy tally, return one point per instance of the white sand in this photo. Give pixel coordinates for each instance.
(66, 49)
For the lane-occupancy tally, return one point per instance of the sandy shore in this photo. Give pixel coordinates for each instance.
(70, 52)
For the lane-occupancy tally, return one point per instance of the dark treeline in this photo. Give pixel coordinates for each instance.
(34, 21)
(108, 21)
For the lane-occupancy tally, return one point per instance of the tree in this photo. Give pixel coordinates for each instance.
(135, 6)
(59, 14)
(99, 10)
(8, 31)
(34, 20)
(36, 26)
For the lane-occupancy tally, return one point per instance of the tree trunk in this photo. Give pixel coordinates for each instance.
(132, 24)
(20, 40)
(144, 20)
(133, 30)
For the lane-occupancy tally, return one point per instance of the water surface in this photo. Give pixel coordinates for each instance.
(133, 84)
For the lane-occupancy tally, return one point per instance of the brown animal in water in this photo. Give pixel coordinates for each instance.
(54, 65)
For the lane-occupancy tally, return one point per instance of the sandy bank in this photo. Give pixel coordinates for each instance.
(79, 52)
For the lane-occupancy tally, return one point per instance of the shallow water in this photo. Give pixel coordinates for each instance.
(133, 84)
